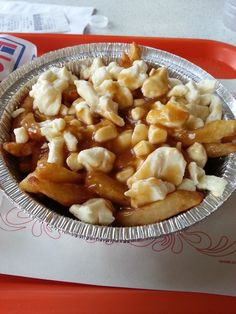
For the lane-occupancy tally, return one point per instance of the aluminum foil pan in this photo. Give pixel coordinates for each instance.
(17, 86)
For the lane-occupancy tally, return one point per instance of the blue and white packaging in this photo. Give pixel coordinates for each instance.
(14, 52)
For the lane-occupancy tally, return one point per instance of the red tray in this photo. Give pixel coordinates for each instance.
(24, 295)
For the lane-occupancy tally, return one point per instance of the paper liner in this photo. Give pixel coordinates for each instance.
(19, 83)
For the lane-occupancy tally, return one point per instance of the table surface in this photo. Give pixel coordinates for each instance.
(158, 18)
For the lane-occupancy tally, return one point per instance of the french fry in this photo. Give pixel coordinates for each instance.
(134, 52)
(172, 205)
(210, 133)
(125, 61)
(57, 173)
(107, 187)
(219, 149)
(18, 149)
(66, 194)
(26, 185)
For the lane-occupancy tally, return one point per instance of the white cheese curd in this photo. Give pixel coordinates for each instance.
(99, 76)
(47, 91)
(206, 86)
(187, 184)
(56, 154)
(108, 88)
(198, 111)
(114, 69)
(87, 71)
(83, 112)
(174, 81)
(134, 76)
(52, 128)
(198, 154)
(215, 109)
(146, 191)
(156, 84)
(205, 99)
(165, 163)
(109, 109)
(215, 185)
(86, 90)
(193, 94)
(121, 94)
(178, 91)
(97, 158)
(195, 172)
(21, 135)
(70, 141)
(96, 211)
(194, 123)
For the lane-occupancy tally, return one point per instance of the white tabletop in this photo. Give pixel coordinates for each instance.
(160, 18)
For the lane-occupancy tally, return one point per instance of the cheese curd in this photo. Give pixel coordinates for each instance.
(215, 109)
(56, 155)
(87, 71)
(215, 185)
(171, 115)
(47, 91)
(195, 172)
(146, 191)
(99, 76)
(109, 109)
(83, 112)
(70, 141)
(134, 76)
(96, 211)
(156, 84)
(86, 90)
(165, 163)
(198, 154)
(52, 128)
(187, 185)
(97, 158)
(21, 135)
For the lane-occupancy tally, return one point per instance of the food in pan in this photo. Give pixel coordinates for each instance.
(120, 144)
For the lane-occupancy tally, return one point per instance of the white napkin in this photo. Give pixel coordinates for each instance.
(43, 18)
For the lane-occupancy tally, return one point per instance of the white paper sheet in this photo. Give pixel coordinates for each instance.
(19, 16)
(199, 259)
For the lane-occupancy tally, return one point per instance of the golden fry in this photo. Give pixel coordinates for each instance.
(134, 52)
(125, 61)
(107, 187)
(57, 173)
(172, 205)
(26, 184)
(219, 149)
(66, 194)
(210, 133)
(18, 149)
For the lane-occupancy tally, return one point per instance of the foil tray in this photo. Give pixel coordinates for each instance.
(18, 85)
